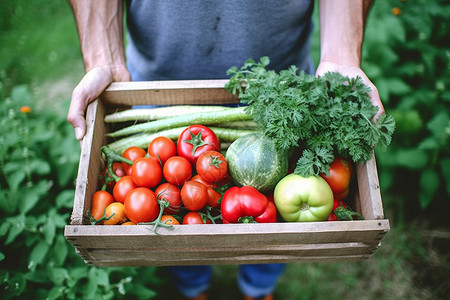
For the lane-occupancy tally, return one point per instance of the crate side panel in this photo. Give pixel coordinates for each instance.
(288, 251)
(168, 93)
(89, 165)
(369, 190)
(248, 259)
(196, 236)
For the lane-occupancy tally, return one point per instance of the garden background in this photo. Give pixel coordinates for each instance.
(406, 54)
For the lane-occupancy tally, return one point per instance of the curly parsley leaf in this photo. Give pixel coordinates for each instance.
(329, 114)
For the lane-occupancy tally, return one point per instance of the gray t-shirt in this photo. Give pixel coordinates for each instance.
(200, 39)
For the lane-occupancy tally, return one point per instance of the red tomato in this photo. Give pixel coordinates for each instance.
(194, 195)
(116, 214)
(132, 153)
(169, 220)
(195, 140)
(338, 203)
(213, 195)
(161, 149)
(99, 203)
(122, 187)
(332, 217)
(340, 174)
(194, 217)
(177, 170)
(118, 171)
(170, 193)
(141, 205)
(146, 172)
(212, 166)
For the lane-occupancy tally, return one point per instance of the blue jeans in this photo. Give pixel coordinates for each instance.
(254, 280)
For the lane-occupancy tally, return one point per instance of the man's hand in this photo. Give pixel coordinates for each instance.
(352, 72)
(90, 87)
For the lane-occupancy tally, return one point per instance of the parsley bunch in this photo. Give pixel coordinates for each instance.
(323, 116)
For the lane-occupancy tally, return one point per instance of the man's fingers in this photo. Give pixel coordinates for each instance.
(89, 88)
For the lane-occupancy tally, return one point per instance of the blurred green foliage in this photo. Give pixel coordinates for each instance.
(406, 54)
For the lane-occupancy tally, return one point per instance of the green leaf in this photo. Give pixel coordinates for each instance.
(16, 284)
(414, 159)
(57, 275)
(15, 178)
(17, 225)
(32, 196)
(2, 256)
(397, 86)
(56, 292)
(429, 184)
(439, 124)
(49, 230)
(99, 276)
(8, 202)
(38, 254)
(65, 199)
(59, 251)
(39, 166)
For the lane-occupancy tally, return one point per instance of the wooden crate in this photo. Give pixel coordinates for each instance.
(217, 243)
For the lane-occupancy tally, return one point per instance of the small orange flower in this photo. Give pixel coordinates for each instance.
(396, 11)
(25, 109)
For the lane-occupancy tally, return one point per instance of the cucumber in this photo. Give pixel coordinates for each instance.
(253, 160)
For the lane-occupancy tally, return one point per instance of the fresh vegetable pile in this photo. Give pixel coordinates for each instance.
(288, 154)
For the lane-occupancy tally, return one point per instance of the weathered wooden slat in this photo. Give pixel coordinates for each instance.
(237, 260)
(168, 92)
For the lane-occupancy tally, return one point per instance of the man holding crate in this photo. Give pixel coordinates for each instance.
(180, 40)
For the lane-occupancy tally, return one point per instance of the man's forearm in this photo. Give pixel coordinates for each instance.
(342, 30)
(100, 28)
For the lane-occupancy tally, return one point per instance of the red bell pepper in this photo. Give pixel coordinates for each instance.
(247, 205)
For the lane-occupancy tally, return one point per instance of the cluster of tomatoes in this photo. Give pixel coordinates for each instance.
(169, 184)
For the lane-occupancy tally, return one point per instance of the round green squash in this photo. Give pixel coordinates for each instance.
(253, 160)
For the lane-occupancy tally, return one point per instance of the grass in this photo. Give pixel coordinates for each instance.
(40, 48)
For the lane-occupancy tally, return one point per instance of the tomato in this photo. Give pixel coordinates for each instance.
(213, 195)
(332, 217)
(161, 149)
(246, 205)
(194, 217)
(169, 220)
(116, 214)
(141, 205)
(195, 140)
(128, 223)
(117, 169)
(170, 193)
(99, 203)
(303, 199)
(212, 166)
(177, 170)
(146, 172)
(337, 203)
(132, 153)
(194, 195)
(339, 177)
(122, 187)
